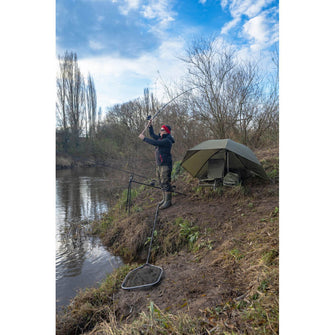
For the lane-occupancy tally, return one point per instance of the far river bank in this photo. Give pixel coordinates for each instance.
(68, 162)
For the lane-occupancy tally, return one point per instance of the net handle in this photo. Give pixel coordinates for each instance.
(152, 234)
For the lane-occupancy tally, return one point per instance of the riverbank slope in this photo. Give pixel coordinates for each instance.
(219, 250)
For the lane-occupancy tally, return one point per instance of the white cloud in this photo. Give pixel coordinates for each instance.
(256, 7)
(95, 45)
(223, 4)
(119, 79)
(237, 8)
(133, 3)
(256, 30)
(231, 24)
(249, 8)
(158, 10)
(128, 6)
(260, 30)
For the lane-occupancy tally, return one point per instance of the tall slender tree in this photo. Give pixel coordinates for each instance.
(91, 103)
(71, 100)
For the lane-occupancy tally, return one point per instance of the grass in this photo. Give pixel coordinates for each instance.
(91, 306)
(92, 312)
(271, 167)
(156, 322)
(250, 257)
(237, 254)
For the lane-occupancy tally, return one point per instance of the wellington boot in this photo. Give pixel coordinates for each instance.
(167, 203)
(163, 200)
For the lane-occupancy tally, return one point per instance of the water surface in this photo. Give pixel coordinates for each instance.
(82, 195)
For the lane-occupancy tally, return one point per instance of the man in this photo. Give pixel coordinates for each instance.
(163, 143)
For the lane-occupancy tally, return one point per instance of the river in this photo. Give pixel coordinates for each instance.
(82, 195)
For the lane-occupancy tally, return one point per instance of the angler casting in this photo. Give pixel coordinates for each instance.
(163, 143)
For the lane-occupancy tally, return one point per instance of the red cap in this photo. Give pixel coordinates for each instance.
(166, 129)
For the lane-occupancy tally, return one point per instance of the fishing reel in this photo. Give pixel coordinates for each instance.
(149, 117)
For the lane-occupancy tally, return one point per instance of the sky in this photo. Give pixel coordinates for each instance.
(128, 45)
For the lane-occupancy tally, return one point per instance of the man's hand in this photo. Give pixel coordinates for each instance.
(141, 136)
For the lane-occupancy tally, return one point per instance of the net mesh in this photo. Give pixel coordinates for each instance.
(146, 275)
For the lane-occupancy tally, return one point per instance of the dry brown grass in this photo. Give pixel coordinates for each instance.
(225, 282)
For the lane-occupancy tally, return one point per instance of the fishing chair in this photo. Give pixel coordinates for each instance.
(218, 172)
(214, 173)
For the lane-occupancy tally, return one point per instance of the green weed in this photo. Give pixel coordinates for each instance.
(236, 254)
(100, 227)
(263, 286)
(188, 232)
(275, 212)
(263, 319)
(122, 201)
(149, 238)
(204, 244)
(177, 170)
(270, 257)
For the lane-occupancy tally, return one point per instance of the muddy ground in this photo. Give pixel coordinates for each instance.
(234, 259)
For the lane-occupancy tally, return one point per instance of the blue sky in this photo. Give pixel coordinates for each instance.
(127, 45)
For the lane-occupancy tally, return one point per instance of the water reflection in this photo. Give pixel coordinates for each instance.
(82, 195)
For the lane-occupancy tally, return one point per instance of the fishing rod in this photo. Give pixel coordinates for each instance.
(122, 170)
(152, 184)
(131, 180)
(149, 118)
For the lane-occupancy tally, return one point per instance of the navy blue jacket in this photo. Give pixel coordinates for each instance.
(163, 147)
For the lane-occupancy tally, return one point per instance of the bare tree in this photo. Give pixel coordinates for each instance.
(208, 70)
(91, 106)
(61, 96)
(70, 103)
(244, 94)
(75, 96)
(266, 123)
(61, 106)
(229, 91)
